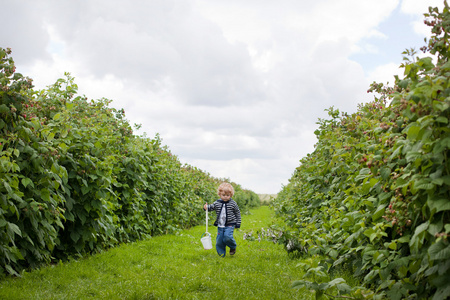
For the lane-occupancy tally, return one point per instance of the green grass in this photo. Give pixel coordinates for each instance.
(170, 267)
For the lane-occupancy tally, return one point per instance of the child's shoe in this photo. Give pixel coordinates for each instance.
(232, 251)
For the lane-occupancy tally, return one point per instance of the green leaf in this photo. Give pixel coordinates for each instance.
(404, 239)
(369, 233)
(442, 119)
(45, 195)
(437, 205)
(392, 245)
(341, 285)
(64, 133)
(75, 236)
(27, 181)
(63, 147)
(298, 284)
(442, 293)
(404, 83)
(10, 270)
(413, 132)
(441, 145)
(55, 168)
(360, 177)
(426, 63)
(50, 136)
(333, 253)
(336, 281)
(413, 155)
(379, 212)
(385, 172)
(371, 275)
(435, 227)
(419, 230)
(440, 106)
(14, 228)
(57, 116)
(7, 187)
(396, 292)
(423, 184)
(85, 189)
(4, 109)
(439, 251)
(364, 171)
(82, 217)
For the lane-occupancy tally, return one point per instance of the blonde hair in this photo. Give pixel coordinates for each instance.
(225, 187)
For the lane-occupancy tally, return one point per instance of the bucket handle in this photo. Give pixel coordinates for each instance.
(206, 232)
(206, 216)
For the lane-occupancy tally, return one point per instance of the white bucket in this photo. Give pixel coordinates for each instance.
(206, 237)
(206, 241)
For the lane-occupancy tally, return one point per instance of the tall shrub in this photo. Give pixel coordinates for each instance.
(75, 180)
(374, 196)
(31, 189)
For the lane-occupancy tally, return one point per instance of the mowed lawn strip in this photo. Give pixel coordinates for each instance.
(170, 267)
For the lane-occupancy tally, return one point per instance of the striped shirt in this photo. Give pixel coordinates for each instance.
(232, 212)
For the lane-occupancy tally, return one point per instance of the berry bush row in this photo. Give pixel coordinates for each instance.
(374, 196)
(75, 180)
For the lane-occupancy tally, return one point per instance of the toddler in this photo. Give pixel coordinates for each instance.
(228, 218)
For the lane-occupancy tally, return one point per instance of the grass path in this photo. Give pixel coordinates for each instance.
(170, 267)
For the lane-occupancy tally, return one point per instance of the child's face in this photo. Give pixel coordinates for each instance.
(225, 196)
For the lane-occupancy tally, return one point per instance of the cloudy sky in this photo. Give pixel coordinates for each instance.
(233, 87)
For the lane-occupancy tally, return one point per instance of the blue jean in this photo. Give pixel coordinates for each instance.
(225, 238)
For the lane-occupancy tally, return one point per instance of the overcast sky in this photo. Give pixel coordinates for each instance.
(233, 87)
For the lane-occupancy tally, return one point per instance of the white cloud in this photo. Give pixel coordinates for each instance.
(385, 73)
(233, 87)
(352, 19)
(418, 8)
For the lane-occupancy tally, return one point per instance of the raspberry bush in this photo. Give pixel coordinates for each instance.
(374, 196)
(75, 180)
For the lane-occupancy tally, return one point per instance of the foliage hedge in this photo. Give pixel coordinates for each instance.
(374, 196)
(75, 180)
(246, 199)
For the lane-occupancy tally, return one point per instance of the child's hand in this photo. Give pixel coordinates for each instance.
(205, 207)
